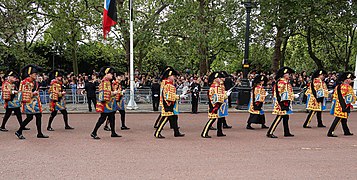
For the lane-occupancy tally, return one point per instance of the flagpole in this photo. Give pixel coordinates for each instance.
(132, 103)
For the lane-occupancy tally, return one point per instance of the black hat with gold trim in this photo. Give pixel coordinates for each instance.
(169, 71)
(56, 73)
(12, 73)
(213, 76)
(284, 70)
(30, 69)
(346, 75)
(225, 74)
(259, 79)
(318, 72)
(106, 70)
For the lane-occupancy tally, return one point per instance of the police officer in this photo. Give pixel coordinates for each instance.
(10, 96)
(90, 89)
(342, 100)
(30, 99)
(195, 89)
(283, 97)
(155, 95)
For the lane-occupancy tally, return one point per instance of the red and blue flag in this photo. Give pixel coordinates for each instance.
(109, 16)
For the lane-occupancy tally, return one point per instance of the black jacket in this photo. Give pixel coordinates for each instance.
(90, 89)
(155, 89)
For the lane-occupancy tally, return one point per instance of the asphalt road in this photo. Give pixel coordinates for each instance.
(242, 154)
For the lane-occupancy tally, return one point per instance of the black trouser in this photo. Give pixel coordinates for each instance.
(337, 120)
(276, 123)
(173, 121)
(224, 122)
(209, 125)
(256, 119)
(7, 115)
(54, 114)
(90, 100)
(101, 120)
(28, 119)
(122, 118)
(309, 117)
(155, 103)
(230, 101)
(194, 102)
(157, 121)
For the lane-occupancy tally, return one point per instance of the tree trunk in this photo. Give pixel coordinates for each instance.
(285, 44)
(277, 49)
(349, 47)
(317, 61)
(202, 48)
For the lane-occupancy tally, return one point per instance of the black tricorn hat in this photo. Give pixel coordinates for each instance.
(12, 73)
(106, 70)
(169, 71)
(318, 72)
(280, 73)
(56, 73)
(30, 69)
(213, 76)
(259, 79)
(225, 74)
(346, 75)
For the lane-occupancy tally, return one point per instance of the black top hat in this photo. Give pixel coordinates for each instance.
(56, 73)
(30, 69)
(318, 72)
(284, 70)
(169, 71)
(106, 70)
(346, 75)
(259, 79)
(213, 76)
(12, 73)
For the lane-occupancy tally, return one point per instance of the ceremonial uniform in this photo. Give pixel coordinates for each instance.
(256, 102)
(223, 110)
(57, 99)
(10, 95)
(106, 104)
(216, 97)
(316, 98)
(342, 100)
(282, 99)
(169, 110)
(30, 99)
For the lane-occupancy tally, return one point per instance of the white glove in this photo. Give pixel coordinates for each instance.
(296, 95)
(266, 93)
(228, 93)
(331, 91)
(183, 96)
(115, 92)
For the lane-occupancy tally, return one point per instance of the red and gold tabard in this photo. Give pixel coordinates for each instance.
(286, 93)
(106, 97)
(260, 94)
(119, 97)
(31, 103)
(9, 96)
(57, 98)
(321, 92)
(348, 96)
(169, 98)
(216, 96)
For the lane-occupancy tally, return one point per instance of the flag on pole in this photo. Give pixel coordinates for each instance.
(109, 16)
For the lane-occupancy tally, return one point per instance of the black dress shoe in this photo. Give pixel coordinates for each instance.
(68, 128)
(42, 136)
(26, 129)
(212, 128)
(4, 129)
(115, 135)
(20, 136)
(124, 128)
(321, 125)
(160, 136)
(106, 128)
(250, 127)
(264, 126)
(227, 127)
(306, 126)
(179, 135)
(331, 135)
(348, 134)
(271, 136)
(94, 136)
(288, 135)
(221, 135)
(207, 136)
(50, 129)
